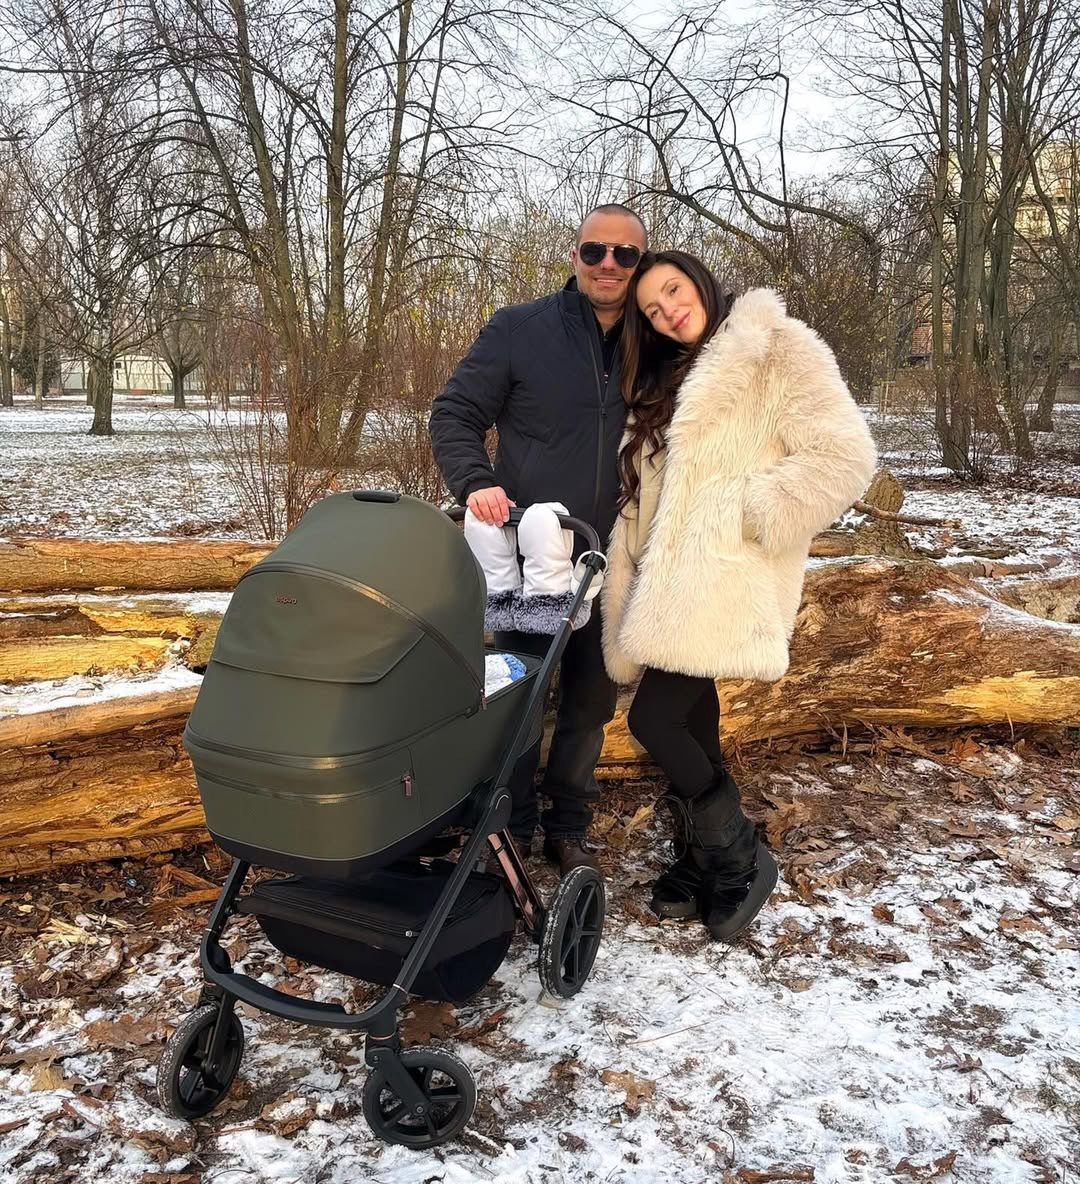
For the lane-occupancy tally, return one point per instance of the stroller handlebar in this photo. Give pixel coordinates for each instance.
(566, 521)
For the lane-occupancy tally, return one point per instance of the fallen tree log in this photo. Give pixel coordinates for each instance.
(1057, 599)
(50, 638)
(57, 564)
(883, 643)
(877, 643)
(73, 564)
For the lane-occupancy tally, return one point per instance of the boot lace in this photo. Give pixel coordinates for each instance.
(682, 826)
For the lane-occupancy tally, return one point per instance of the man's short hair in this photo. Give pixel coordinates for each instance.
(613, 207)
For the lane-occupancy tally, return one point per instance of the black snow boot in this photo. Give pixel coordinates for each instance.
(675, 894)
(731, 897)
(722, 873)
(738, 873)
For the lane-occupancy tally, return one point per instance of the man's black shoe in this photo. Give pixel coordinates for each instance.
(730, 900)
(569, 852)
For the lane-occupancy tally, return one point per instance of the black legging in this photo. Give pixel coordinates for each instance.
(677, 718)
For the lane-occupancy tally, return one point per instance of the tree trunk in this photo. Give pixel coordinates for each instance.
(384, 235)
(176, 375)
(937, 256)
(1042, 420)
(877, 644)
(39, 366)
(7, 396)
(337, 378)
(100, 393)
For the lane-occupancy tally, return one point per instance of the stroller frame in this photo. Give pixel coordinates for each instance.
(206, 1042)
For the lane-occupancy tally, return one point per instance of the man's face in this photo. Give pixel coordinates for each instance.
(604, 284)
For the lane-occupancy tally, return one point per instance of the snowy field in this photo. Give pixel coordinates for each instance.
(907, 1008)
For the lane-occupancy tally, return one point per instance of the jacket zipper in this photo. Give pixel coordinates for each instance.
(600, 425)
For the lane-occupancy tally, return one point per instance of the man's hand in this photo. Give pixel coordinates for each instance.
(490, 505)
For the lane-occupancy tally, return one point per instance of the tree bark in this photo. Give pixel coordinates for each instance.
(39, 366)
(74, 564)
(7, 397)
(45, 639)
(937, 247)
(877, 644)
(1042, 419)
(100, 393)
(176, 373)
(384, 234)
(51, 565)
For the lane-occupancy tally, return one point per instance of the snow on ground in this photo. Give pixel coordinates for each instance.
(1027, 512)
(161, 474)
(908, 1008)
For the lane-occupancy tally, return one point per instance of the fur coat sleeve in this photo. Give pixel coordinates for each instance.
(830, 454)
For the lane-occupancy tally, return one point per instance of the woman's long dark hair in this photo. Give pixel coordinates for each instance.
(654, 366)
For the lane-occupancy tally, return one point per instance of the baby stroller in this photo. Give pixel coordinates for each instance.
(341, 729)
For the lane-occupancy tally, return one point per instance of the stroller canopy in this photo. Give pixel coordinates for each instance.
(356, 585)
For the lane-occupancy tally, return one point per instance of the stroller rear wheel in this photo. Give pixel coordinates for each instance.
(572, 930)
(188, 1086)
(446, 1083)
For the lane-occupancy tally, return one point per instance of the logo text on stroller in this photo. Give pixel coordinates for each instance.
(286, 599)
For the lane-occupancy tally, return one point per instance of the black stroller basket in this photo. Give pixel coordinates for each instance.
(332, 743)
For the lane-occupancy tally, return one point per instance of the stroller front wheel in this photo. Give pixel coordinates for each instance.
(449, 1090)
(188, 1085)
(572, 931)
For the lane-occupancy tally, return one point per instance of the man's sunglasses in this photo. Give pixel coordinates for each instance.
(626, 254)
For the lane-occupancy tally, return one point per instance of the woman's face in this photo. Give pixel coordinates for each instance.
(669, 301)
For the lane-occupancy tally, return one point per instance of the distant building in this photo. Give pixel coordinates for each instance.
(135, 374)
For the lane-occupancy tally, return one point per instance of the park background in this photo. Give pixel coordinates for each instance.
(241, 247)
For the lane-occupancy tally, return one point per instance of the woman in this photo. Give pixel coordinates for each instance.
(742, 443)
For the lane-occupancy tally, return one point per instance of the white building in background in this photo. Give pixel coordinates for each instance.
(135, 374)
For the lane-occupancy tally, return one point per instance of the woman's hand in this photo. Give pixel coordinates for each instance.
(490, 505)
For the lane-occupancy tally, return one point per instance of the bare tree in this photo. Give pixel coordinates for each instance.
(83, 156)
(967, 92)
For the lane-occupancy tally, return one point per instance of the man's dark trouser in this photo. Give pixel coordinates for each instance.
(586, 703)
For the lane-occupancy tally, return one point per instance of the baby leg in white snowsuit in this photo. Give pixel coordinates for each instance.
(549, 583)
(495, 548)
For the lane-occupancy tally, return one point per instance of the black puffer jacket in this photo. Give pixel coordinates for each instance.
(536, 373)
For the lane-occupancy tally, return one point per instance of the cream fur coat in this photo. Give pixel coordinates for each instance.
(766, 448)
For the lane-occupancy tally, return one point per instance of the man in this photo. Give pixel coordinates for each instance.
(546, 374)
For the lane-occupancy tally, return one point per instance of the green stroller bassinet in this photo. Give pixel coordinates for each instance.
(342, 719)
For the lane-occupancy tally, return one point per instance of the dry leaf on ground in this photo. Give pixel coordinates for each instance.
(126, 1031)
(637, 1089)
(931, 1171)
(428, 1021)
